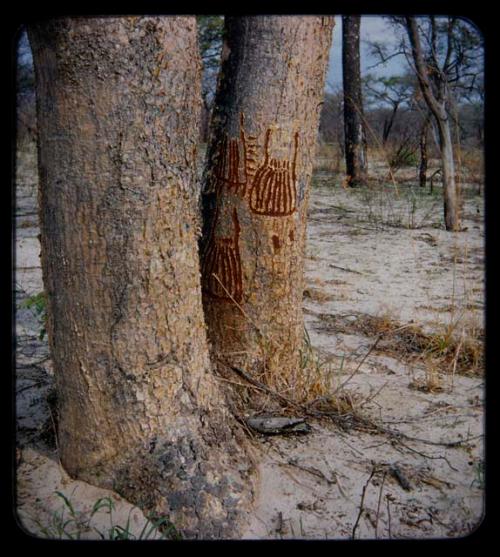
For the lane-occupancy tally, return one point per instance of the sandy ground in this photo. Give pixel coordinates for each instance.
(335, 482)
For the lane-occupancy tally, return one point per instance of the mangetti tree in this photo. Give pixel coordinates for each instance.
(140, 412)
(259, 166)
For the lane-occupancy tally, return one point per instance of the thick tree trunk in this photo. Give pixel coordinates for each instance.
(354, 133)
(260, 160)
(118, 104)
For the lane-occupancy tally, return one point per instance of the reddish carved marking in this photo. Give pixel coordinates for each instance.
(291, 236)
(222, 258)
(273, 191)
(276, 243)
(235, 162)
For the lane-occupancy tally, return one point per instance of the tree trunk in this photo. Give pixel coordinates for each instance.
(118, 102)
(354, 133)
(422, 173)
(450, 197)
(259, 167)
(437, 105)
(388, 123)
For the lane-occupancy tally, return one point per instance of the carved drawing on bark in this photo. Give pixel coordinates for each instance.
(222, 265)
(271, 187)
(273, 190)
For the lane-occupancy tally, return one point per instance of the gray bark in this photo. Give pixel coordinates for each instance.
(118, 103)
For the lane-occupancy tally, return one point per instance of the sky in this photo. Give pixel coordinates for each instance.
(373, 28)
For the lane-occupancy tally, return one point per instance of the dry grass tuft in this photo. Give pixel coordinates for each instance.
(446, 350)
(317, 295)
(315, 386)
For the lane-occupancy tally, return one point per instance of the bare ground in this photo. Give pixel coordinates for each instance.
(414, 470)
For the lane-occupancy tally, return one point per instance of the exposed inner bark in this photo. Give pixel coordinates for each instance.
(259, 166)
(118, 102)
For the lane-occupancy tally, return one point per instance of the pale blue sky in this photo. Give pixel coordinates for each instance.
(373, 28)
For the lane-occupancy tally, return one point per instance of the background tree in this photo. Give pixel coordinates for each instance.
(355, 139)
(260, 159)
(422, 169)
(331, 123)
(447, 57)
(25, 93)
(210, 29)
(394, 91)
(118, 102)
(433, 78)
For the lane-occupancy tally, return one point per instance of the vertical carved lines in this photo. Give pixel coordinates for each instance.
(273, 191)
(271, 187)
(222, 277)
(230, 167)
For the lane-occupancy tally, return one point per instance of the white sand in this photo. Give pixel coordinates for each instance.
(311, 486)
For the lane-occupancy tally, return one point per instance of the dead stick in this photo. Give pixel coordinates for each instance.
(372, 347)
(378, 504)
(388, 514)
(361, 507)
(433, 457)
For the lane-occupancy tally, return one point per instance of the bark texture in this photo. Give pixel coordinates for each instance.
(118, 102)
(354, 132)
(259, 166)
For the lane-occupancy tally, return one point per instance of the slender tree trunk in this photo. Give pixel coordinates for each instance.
(388, 123)
(450, 197)
(354, 133)
(422, 173)
(260, 160)
(118, 102)
(437, 105)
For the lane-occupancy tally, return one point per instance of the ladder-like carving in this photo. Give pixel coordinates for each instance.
(271, 188)
(222, 278)
(273, 191)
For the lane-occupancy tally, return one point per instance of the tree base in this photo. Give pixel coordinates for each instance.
(202, 479)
